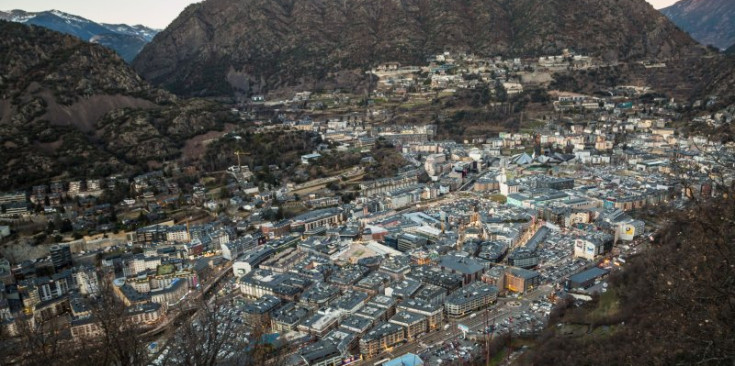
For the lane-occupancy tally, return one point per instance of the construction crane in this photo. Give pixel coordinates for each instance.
(238, 153)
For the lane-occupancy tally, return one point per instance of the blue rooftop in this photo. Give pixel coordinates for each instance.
(409, 359)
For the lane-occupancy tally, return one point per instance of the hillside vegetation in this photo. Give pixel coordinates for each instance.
(672, 305)
(70, 108)
(221, 47)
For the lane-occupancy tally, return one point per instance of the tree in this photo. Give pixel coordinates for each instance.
(120, 342)
(210, 337)
(35, 344)
(207, 339)
(676, 300)
(500, 94)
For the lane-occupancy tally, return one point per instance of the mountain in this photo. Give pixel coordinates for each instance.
(710, 22)
(73, 109)
(731, 50)
(124, 39)
(219, 47)
(127, 46)
(139, 31)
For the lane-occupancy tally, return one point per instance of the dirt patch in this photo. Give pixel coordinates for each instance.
(18, 252)
(197, 145)
(5, 109)
(50, 147)
(85, 113)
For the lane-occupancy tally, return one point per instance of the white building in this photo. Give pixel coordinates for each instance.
(86, 280)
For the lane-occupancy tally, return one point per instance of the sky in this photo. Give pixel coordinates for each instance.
(151, 13)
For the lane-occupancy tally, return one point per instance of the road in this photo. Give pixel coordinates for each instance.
(467, 186)
(190, 303)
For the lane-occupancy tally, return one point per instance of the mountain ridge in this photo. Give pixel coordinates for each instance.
(124, 39)
(71, 108)
(223, 47)
(710, 22)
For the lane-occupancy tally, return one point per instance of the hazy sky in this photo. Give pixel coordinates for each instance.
(152, 13)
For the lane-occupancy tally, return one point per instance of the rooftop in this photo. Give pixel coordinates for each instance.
(318, 352)
(381, 330)
(262, 305)
(407, 318)
(350, 300)
(464, 265)
(471, 292)
(523, 273)
(409, 359)
(419, 305)
(356, 322)
(588, 275)
(291, 313)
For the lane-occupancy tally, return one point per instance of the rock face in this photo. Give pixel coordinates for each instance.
(218, 47)
(70, 108)
(124, 39)
(710, 22)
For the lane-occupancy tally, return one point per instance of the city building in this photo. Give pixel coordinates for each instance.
(523, 258)
(356, 324)
(321, 322)
(403, 289)
(250, 260)
(433, 312)
(586, 278)
(60, 256)
(346, 342)
(351, 301)
(257, 314)
(288, 316)
(286, 286)
(589, 247)
(321, 353)
(470, 298)
(382, 337)
(311, 221)
(319, 295)
(469, 268)
(521, 280)
(432, 294)
(413, 323)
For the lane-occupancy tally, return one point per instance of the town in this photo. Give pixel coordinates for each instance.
(377, 241)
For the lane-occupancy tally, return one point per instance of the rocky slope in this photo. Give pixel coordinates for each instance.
(711, 22)
(73, 108)
(219, 47)
(124, 39)
(667, 307)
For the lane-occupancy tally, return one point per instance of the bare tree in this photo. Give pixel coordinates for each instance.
(215, 336)
(207, 339)
(35, 343)
(119, 342)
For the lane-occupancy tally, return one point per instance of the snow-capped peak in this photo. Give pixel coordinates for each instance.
(69, 17)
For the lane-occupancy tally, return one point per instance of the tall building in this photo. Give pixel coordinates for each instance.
(60, 256)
